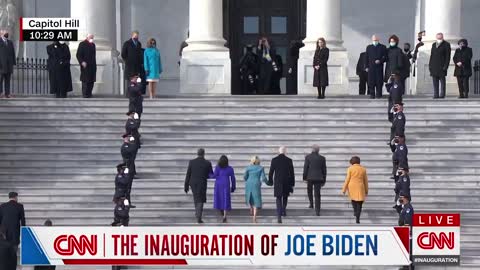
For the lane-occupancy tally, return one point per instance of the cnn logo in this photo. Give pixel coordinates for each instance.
(67, 245)
(431, 240)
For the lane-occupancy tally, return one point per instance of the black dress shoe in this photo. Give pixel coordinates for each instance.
(372, 97)
(224, 220)
(133, 206)
(279, 220)
(310, 206)
(199, 221)
(318, 213)
(284, 214)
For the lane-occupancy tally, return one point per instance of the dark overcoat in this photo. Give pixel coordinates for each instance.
(394, 62)
(198, 172)
(133, 56)
(281, 175)
(439, 59)
(7, 56)
(58, 65)
(12, 216)
(320, 76)
(465, 57)
(87, 53)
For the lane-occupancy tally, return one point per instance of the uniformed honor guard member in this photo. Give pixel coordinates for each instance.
(134, 94)
(402, 186)
(400, 155)
(396, 90)
(132, 125)
(121, 212)
(398, 123)
(406, 215)
(123, 181)
(249, 71)
(129, 152)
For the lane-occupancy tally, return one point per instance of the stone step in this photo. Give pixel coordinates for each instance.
(329, 190)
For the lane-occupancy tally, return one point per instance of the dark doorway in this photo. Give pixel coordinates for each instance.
(245, 21)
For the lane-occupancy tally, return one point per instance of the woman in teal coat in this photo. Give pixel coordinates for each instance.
(254, 176)
(153, 65)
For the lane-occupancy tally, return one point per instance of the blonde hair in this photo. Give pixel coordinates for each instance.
(255, 160)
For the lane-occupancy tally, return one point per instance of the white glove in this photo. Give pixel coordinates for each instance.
(139, 80)
(135, 116)
(125, 171)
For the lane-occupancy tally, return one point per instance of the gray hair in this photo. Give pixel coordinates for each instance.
(315, 148)
(282, 150)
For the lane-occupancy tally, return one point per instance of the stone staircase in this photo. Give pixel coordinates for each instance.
(60, 156)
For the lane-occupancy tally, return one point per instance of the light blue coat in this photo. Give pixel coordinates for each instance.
(153, 63)
(254, 176)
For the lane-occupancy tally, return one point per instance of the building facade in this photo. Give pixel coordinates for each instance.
(218, 30)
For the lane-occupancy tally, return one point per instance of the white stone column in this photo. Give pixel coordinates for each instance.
(324, 19)
(98, 18)
(205, 64)
(440, 16)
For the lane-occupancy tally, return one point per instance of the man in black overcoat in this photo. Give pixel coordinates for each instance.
(12, 216)
(376, 55)
(7, 61)
(282, 177)
(8, 256)
(198, 172)
(362, 74)
(58, 65)
(438, 65)
(315, 173)
(132, 54)
(86, 56)
(292, 80)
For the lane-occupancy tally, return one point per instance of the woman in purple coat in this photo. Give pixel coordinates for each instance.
(224, 185)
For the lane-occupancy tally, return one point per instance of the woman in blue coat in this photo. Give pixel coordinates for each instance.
(224, 185)
(153, 65)
(254, 176)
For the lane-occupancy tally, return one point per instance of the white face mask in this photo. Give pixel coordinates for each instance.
(61, 42)
(439, 41)
(90, 40)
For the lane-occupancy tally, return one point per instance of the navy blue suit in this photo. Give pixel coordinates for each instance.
(375, 71)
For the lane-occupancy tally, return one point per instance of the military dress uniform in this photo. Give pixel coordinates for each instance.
(135, 98)
(402, 186)
(131, 128)
(396, 90)
(129, 153)
(121, 213)
(398, 125)
(406, 215)
(399, 159)
(123, 181)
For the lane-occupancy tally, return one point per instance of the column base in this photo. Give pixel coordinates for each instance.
(337, 73)
(205, 72)
(423, 80)
(108, 77)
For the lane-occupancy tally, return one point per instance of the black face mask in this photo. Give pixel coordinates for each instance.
(406, 49)
(5, 35)
(420, 39)
(396, 141)
(401, 201)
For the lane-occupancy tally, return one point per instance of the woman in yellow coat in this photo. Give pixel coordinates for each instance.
(356, 183)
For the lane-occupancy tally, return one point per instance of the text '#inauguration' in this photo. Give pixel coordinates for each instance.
(244, 245)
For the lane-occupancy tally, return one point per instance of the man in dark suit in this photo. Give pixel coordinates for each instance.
(198, 172)
(7, 61)
(132, 54)
(12, 216)
(282, 177)
(438, 65)
(315, 173)
(362, 74)
(8, 256)
(376, 56)
(86, 56)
